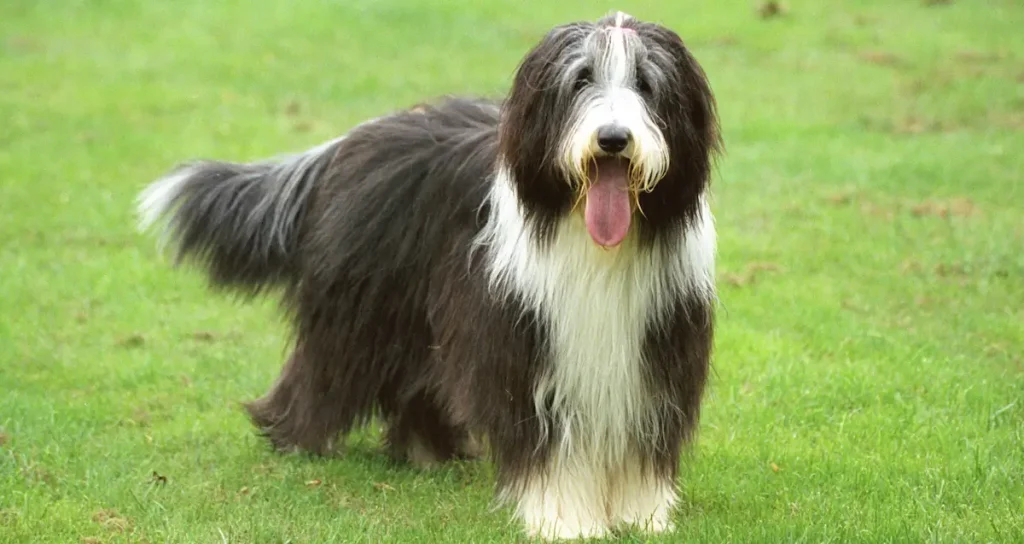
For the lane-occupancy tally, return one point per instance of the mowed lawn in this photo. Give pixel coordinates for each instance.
(868, 371)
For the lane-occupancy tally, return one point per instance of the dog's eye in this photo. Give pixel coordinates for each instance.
(642, 86)
(584, 78)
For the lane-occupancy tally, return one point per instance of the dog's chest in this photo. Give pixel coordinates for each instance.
(598, 308)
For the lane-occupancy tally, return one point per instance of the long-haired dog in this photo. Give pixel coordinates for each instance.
(537, 271)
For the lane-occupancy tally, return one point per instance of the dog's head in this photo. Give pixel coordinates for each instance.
(614, 118)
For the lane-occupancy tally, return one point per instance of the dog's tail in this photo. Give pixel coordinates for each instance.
(240, 222)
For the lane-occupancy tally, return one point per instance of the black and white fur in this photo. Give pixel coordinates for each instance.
(440, 277)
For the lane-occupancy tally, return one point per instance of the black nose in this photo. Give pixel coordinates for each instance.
(613, 138)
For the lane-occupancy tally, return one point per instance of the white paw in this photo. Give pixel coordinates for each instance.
(563, 508)
(644, 503)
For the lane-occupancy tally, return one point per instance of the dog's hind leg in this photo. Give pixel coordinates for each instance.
(297, 414)
(422, 433)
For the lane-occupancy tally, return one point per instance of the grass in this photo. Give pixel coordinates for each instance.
(869, 372)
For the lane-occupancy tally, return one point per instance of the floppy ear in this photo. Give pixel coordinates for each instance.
(687, 111)
(536, 102)
(532, 122)
(686, 101)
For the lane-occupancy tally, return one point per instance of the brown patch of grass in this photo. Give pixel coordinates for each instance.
(910, 266)
(951, 270)
(863, 20)
(3, 439)
(209, 337)
(33, 472)
(913, 124)
(134, 340)
(840, 199)
(996, 349)
(853, 305)
(954, 207)
(212, 337)
(204, 336)
(292, 108)
(1012, 120)
(882, 58)
(91, 540)
(110, 520)
(917, 85)
(877, 210)
(140, 418)
(8, 516)
(750, 273)
(770, 9)
(977, 56)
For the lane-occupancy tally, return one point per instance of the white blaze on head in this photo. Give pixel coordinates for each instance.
(621, 18)
(611, 55)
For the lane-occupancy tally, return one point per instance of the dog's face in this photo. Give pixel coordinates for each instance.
(613, 118)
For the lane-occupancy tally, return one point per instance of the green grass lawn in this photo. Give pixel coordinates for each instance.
(869, 373)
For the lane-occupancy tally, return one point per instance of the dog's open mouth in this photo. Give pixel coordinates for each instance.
(608, 210)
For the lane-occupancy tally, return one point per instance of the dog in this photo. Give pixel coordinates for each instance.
(534, 273)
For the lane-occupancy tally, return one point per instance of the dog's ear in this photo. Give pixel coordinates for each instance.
(686, 101)
(537, 101)
(533, 118)
(687, 115)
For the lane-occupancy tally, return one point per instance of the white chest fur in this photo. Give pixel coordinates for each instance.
(597, 306)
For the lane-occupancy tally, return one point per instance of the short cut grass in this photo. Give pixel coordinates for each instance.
(869, 372)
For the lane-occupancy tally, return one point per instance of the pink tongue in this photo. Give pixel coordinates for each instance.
(608, 210)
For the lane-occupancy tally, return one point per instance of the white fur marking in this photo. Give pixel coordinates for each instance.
(572, 499)
(157, 198)
(614, 100)
(567, 502)
(641, 500)
(597, 306)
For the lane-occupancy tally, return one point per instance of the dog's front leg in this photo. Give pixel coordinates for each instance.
(564, 498)
(642, 498)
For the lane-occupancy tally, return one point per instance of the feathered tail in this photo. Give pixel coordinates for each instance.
(240, 222)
